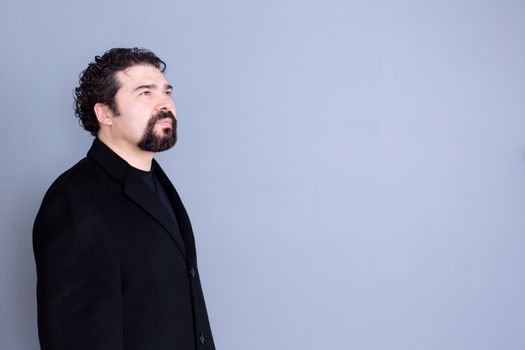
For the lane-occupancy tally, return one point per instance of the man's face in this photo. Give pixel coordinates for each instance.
(146, 110)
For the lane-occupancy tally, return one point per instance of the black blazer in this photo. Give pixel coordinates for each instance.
(114, 270)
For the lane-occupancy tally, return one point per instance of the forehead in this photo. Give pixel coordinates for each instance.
(135, 76)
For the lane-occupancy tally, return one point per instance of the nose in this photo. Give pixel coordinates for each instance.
(165, 103)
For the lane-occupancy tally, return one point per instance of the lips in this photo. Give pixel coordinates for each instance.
(165, 122)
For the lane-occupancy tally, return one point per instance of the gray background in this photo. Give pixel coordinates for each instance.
(354, 170)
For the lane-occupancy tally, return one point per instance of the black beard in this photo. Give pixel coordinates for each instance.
(153, 142)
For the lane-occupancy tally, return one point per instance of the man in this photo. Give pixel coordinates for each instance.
(114, 248)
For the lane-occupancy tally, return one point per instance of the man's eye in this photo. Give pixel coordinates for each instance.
(169, 92)
(146, 93)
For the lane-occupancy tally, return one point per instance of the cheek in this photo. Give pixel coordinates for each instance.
(140, 127)
(132, 129)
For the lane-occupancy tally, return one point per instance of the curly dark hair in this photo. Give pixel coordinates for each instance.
(98, 83)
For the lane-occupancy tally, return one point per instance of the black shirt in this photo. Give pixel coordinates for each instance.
(154, 184)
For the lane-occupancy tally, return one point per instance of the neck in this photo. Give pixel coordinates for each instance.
(133, 155)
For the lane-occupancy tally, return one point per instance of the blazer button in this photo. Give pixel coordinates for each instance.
(201, 338)
(192, 272)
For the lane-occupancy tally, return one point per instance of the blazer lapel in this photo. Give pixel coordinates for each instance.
(137, 190)
(182, 216)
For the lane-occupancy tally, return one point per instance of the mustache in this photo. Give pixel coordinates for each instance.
(161, 115)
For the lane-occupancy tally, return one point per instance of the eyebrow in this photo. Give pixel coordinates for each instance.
(152, 86)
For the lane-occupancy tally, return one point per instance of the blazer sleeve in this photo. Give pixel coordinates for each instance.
(78, 276)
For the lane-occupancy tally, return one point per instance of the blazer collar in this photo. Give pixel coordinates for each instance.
(136, 189)
(117, 167)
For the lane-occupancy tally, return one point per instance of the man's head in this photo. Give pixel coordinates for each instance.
(124, 95)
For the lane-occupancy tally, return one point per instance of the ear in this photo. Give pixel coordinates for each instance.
(104, 114)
